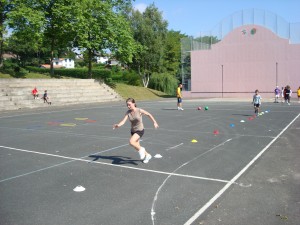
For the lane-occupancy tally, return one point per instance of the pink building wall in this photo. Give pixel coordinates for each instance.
(250, 57)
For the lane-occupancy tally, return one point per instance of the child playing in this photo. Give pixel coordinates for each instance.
(46, 98)
(35, 93)
(179, 97)
(134, 115)
(277, 93)
(257, 102)
(288, 94)
(298, 93)
(282, 94)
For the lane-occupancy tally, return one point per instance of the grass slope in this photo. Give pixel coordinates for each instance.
(139, 93)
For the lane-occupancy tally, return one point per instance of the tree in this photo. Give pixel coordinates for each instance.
(57, 26)
(47, 22)
(209, 40)
(172, 52)
(149, 30)
(100, 28)
(22, 47)
(5, 8)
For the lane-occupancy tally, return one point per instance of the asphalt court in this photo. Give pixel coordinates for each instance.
(46, 153)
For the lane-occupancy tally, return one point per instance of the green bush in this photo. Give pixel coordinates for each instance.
(12, 68)
(132, 78)
(38, 69)
(110, 83)
(99, 66)
(9, 64)
(118, 77)
(101, 74)
(164, 82)
(82, 73)
(20, 72)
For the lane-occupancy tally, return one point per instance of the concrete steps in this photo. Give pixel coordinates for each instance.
(16, 93)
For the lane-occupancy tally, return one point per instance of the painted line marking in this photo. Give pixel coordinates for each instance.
(67, 124)
(237, 176)
(108, 164)
(58, 111)
(153, 212)
(176, 146)
(49, 167)
(68, 133)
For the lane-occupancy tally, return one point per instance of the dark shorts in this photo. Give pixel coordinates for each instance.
(139, 132)
(256, 105)
(179, 100)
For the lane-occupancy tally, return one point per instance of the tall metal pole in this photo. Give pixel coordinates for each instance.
(182, 76)
(276, 74)
(222, 81)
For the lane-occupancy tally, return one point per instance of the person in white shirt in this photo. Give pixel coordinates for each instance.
(256, 102)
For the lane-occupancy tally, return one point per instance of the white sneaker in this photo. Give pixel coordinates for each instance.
(148, 157)
(181, 109)
(142, 152)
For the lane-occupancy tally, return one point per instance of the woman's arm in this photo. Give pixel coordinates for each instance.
(150, 116)
(121, 123)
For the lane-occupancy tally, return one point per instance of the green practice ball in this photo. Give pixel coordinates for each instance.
(206, 108)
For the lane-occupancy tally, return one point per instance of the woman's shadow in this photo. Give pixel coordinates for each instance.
(119, 160)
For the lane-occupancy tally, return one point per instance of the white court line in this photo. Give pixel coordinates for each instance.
(66, 133)
(108, 164)
(233, 180)
(55, 111)
(35, 171)
(176, 146)
(164, 182)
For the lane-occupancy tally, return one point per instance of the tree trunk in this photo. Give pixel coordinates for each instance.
(1, 51)
(145, 80)
(145, 77)
(1, 41)
(90, 64)
(52, 56)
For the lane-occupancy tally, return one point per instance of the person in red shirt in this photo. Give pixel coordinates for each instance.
(35, 93)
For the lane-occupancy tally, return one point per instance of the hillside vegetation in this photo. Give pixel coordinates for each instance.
(124, 90)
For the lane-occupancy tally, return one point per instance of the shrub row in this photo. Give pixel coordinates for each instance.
(82, 73)
(12, 68)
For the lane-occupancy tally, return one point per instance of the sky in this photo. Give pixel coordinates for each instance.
(192, 17)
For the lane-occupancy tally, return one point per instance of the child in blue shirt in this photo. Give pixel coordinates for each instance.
(277, 93)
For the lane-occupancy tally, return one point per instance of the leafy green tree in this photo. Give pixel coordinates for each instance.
(150, 31)
(21, 47)
(164, 82)
(48, 22)
(172, 52)
(99, 27)
(209, 40)
(5, 8)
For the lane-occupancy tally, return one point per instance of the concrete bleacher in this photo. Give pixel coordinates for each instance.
(16, 93)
